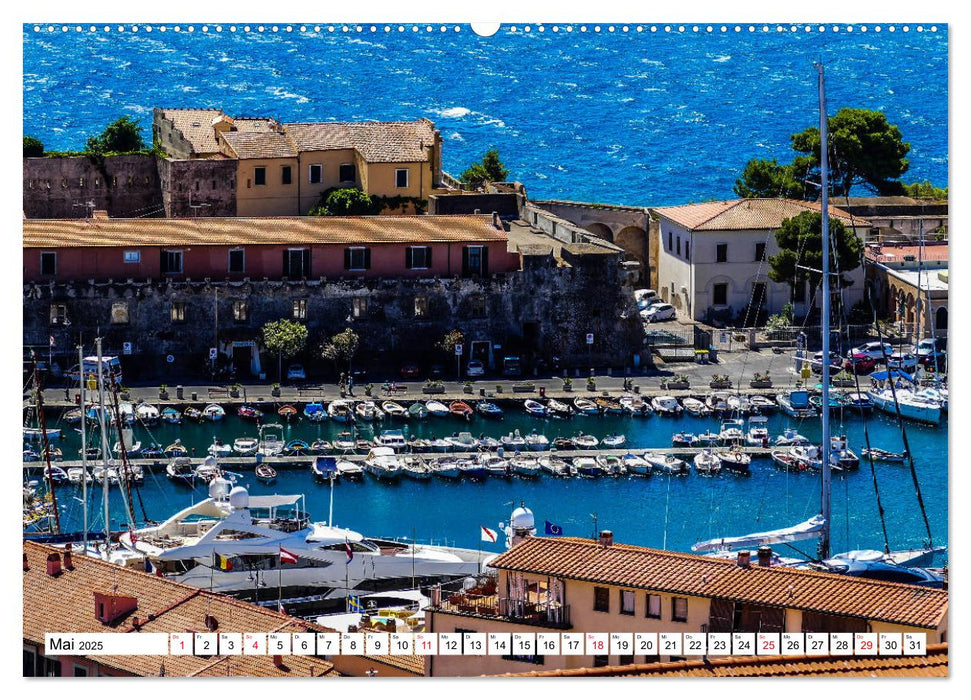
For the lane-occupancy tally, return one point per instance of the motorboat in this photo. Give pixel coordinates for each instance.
(179, 470)
(473, 469)
(436, 409)
(31, 455)
(418, 411)
(707, 438)
(513, 441)
(612, 465)
(487, 409)
(382, 463)
(555, 466)
(524, 466)
(537, 442)
(934, 394)
(368, 411)
(448, 468)
(271, 444)
(609, 406)
(858, 402)
(707, 462)
(315, 411)
(441, 444)
(666, 464)
(176, 449)
(340, 411)
(586, 407)
(208, 470)
(172, 416)
(213, 412)
(790, 437)
(463, 442)
(75, 475)
(37, 434)
(666, 406)
(133, 449)
(363, 445)
(395, 439)
(319, 446)
(349, 470)
(246, 446)
(790, 461)
(558, 408)
(614, 441)
(841, 456)
(192, 413)
(147, 414)
(836, 402)
(585, 442)
(488, 443)
(735, 460)
(416, 444)
(694, 407)
(717, 402)
(218, 448)
(153, 451)
(249, 413)
(635, 406)
(394, 410)
(494, 465)
(762, 404)
(758, 432)
(880, 455)
(636, 465)
(535, 408)
(324, 468)
(286, 412)
(683, 440)
(739, 405)
(93, 453)
(796, 404)
(587, 466)
(563, 443)
(54, 454)
(101, 473)
(56, 475)
(460, 409)
(732, 432)
(414, 467)
(296, 447)
(72, 416)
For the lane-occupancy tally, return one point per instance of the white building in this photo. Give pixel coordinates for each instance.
(713, 258)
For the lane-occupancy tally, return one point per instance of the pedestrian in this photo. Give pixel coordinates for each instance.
(350, 386)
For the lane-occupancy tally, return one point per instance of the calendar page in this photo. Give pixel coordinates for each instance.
(437, 349)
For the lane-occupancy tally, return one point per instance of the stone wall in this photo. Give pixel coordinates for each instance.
(561, 229)
(198, 187)
(70, 187)
(506, 204)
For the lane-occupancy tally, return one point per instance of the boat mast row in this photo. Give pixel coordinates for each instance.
(824, 540)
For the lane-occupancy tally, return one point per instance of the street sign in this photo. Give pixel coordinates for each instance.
(458, 349)
(126, 348)
(589, 338)
(170, 359)
(212, 353)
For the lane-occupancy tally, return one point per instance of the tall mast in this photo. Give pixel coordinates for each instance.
(104, 448)
(824, 206)
(84, 451)
(45, 446)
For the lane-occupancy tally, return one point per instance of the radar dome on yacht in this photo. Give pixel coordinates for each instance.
(239, 497)
(219, 488)
(521, 518)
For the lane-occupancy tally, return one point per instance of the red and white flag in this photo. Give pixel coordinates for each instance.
(489, 535)
(288, 556)
(283, 610)
(52, 341)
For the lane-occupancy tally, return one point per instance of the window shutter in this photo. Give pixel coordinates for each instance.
(428, 256)
(485, 261)
(305, 254)
(465, 261)
(409, 258)
(347, 258)
(164, 262)
(367, 258)
(286, 263)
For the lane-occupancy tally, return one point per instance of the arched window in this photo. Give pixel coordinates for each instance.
(940, 319)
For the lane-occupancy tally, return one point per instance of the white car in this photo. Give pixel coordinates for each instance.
(296, 373)
(873, 350)
(475, 368)
(645, 297)
(907, 361)
(658, 312)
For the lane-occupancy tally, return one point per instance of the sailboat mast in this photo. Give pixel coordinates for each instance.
(826, 495)
(84, 452)
(104, 448)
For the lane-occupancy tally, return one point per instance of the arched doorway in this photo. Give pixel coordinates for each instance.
(940, 319)
(634, 242)
(601, 230)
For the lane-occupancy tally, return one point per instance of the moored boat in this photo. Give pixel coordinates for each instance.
(612, 465)
(271, 444)
(732, 432)
(460, 409)
(790, 437)
(488, 409)
(414, 467)
(636, 465)
(179, 470)
(265, 473)
(758, 433)
(609, 406)
(585, 442)
(558, 408)
(586, 406)
(176, 449)
(296, 447)
(735, 460)
(525, 466)
(587, 466)
(208, 470)
(694, 407)
(796, 404)
(192, 413)
(340, 411)
(368, 411)
(614, 441)
(147, 414)
(395, 439)
(555, 466)
(707, 462)
(666, 464)
(535, 408)
(666, 406)
(880, 455)
(635, 406)
(213, 412)
(418, 411)
(763, 404)
(436, 409)
(286, 412)
(171, 416)
(246, 446)
(315, 411)
(219, 449)
(249, 413)
(462, 442)
(382, 463)
(324, 468)
(393, 409)
(537, 441)
(683, 440)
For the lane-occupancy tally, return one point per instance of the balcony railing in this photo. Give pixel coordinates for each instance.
(510, 610)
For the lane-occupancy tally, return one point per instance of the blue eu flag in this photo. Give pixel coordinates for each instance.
(553, 528)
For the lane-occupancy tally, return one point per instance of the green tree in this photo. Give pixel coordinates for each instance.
(450, 340)
(490, 169)
(800, 241)
(864, 149)
(922, 190)
(124, 135)
(33, 148)
(348, 201)
(766, 178)
(286, 338)
(341, 348)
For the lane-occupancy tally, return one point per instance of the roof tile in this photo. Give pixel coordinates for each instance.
(746, 214)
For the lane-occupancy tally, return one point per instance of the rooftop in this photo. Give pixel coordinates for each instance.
(932, 665)
(934, 280)
(259, 138)
(377, 142)
(745, 214)
(707, 577)
(103, 233)
(886, 252)
(196, 127)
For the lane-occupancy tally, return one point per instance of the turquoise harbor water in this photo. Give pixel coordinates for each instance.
(653, 511)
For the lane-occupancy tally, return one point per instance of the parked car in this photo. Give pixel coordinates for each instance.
(835, 362)
(475, 368)
(860, 363)
(436, 371)
(645, 297)
(511, 366)
(296, 373)
(930, 349)
(874, 349)
(410, 370)
(907, 361)
(658, 312)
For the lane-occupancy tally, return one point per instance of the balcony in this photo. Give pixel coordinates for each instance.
(522, 612)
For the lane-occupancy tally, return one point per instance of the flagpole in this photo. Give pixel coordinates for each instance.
(279, 590)
(347, 586)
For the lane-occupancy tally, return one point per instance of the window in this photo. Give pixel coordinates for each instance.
(401, 178)
(679, 245)
(601, 599)
(287, 175)
(357, 259)
(475, 260)
(627, 602)
(653, 607)
(119, 312)
(48, 263)
(240, 311)
(359, 307)
(58, 314)
(679, 609)
(625, 659)
(259, 175)
(314, 174)
(80, 671)
(537, 659)
(758, 296)
(687, 249)
(171, 262)
(599, 661)
(237, 261)
(347, 173)
(178, 311)
(296, 263)
(721, 252)
(300, 308)
(421, 306)
(418, 257)
(719, 294)
(133, 256)
(759, 252)
(30, 663)
(670, 241)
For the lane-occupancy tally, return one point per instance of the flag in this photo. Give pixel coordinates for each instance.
(223, 563)
(283, 610)
(148, 566)
(52, 341)
(488, 535)
(287, 556)
(347, 548)
(132, 536)
(354, 604)
(553, 528)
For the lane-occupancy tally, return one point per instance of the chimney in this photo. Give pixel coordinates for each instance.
(606, 538)
(53, 564)
(765, 556)
(278, 660)
(496, 221)
(26, 566)
(111, 607)
(744, 558)
(68, 560)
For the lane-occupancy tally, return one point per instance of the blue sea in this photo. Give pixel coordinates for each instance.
(643, 119)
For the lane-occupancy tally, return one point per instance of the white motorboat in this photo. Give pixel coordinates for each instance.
(414, 467)
(717, 401)
(513, 441)
(586, 407)
(762, 404)
(349, 470)
(739, 405)
(494, 465)
(694, 407)
(179, 469)
(368, 411)
(666, 464)
(37, 433)
(208, 470)
(758, 432)
(271, 443)
(537, 442)
(133, 448)
(488, 443)
(340, 411)
(585, 442)
(614, 441)
(635, 406)
(934, 394)
(666, 406)
(611, 465)
(732, 432)
(535, 408)
(559, 408)
(790, 437)
(525, 466)
(734, 459)
(684, 440)
(707, 462)
(246, 446)
(383, 463)
(796, 404)
(147, 413)
(75, 475)
(394, 439)
(345, 442)
(463, 442)
(555, 466)
(213, 412)
(218, 448)
(636, 465)
(587, 466)
(448, 468)
(436, 409)
(707, 439)
(393, 409)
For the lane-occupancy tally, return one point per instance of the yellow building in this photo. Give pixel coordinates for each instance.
(578, 585)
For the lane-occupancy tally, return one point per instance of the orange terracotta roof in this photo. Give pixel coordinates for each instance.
(932, 665)
(377, 142)
(745, 214)
(196, 127)
(707, 577)
(896, 253)
(92, 233)
(259, 138)
(66, 604)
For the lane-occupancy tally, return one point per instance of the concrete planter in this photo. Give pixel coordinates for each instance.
(846, 383)
(433, 390)
(275, 391)
(673, 386)
(125, 396)
(467, 389)
(523, 388)
(163, 395)
(720, 385)
(767, 384)
(567, 387)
